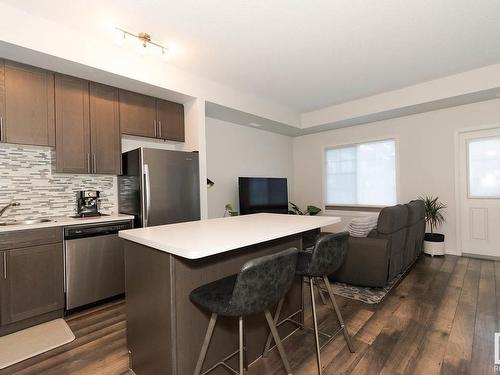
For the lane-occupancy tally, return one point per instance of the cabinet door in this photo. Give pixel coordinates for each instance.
(3, 279)
(105, 129)
(137, 114)
(28, 114)
(72, 125)
(170, 120)
(33, 282)
(2, 100)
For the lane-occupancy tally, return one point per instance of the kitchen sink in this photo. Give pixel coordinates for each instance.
(25, 222)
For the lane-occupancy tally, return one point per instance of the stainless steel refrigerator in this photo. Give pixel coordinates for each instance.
(159, 186)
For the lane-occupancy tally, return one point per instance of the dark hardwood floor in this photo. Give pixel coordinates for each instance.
(440, 319)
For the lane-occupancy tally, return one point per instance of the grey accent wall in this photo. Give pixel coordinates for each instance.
(27, 176)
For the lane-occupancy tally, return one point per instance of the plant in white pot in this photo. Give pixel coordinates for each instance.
(434, 242)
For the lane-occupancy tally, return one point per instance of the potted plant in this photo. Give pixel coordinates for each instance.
(310, 210)
(228, 210)
(433, 242)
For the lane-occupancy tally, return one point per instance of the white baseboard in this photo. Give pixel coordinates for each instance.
(453, 252)
(484, 257)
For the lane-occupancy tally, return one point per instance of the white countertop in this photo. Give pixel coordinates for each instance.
(199, 239)
(66, 221)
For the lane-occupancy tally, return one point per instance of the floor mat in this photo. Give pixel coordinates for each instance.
(365, 294)
(32, 341)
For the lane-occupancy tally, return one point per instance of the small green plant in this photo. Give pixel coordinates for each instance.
(310, 210)
(228, 210)
(433, 211)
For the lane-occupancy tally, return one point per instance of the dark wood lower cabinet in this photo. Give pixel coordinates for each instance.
(31, 285)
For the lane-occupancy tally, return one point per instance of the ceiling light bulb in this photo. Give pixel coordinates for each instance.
(119, 37)
(142, 48)
(165, 54)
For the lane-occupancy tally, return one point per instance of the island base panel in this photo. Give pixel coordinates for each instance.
(149, 309)
(165, 329)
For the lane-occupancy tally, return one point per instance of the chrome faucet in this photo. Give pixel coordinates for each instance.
(11, 204)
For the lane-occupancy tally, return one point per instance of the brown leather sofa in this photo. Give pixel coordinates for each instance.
(388, 250)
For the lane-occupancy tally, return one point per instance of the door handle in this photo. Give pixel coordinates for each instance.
(147, 191)
(5, 265)
(94, 164)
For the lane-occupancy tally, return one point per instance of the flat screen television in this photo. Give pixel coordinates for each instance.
(263, 194)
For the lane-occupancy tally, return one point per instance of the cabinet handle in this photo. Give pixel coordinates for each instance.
(156, 128)
(159, 128)
(88, 163)
(5, 265)
(94, 164)
(1, 129)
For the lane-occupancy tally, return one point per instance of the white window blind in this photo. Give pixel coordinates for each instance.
(361, 174)
(484, 168)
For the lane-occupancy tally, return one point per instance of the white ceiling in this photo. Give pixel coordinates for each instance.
(302, 54)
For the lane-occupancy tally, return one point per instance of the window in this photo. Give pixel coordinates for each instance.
(361, 174)
(484, 168)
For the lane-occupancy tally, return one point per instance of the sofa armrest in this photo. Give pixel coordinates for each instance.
(366, 263)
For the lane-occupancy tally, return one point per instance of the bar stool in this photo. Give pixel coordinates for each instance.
(326, 257)
(260, 284)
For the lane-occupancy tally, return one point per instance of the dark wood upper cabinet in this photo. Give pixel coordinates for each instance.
(87, 127)
(72, 125)
(146, 116)
(26, 104)
(105, 129)
(137, 114)
(32, 282)
(170, 120)
(83, 119)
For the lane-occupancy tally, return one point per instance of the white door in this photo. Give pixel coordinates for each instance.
(479, 192)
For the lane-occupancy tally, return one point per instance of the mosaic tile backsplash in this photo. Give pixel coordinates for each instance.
(27, 176)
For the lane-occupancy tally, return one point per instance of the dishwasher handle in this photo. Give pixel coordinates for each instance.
(72, 233)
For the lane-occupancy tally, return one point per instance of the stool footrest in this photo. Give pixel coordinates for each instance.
(224, 364)
(329, 336)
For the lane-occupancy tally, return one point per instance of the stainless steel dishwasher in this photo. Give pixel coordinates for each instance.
(94, 262)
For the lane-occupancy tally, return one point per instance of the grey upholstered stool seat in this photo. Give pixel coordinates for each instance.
(324, 258)
(216, 296)
(260, 284)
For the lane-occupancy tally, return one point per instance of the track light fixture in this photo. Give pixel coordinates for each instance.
(144, 41)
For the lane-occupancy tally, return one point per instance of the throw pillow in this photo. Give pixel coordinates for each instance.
(361, 226)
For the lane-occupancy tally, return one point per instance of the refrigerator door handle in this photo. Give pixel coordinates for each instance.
(147, 189)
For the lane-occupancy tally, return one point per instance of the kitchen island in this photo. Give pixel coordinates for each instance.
(165, 263)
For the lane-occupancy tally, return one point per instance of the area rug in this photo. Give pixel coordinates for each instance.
(32, 341)
(365, 294)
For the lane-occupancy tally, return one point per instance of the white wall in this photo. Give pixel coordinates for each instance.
(426, 154)
(233, 151)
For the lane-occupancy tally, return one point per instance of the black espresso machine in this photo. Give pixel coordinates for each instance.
(87, 203)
